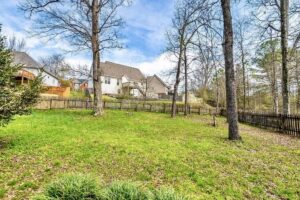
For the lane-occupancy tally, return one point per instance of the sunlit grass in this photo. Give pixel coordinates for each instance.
(187, 154)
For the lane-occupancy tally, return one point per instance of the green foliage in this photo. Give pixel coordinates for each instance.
(72, 187)
(65, 83)
(81, 187)
(125, 191)
(2, 192)
(167, 194)
(14, 100)
(78, 95)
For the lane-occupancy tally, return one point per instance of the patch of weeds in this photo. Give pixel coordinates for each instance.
(57, 163)
(2, 192)
(27, 185)
(12, 182)
(203, 182)
(123, 190)
(167, 194)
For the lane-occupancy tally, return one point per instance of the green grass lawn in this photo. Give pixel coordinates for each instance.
(152, 149)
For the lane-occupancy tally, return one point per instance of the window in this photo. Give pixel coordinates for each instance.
(119, 81)
(107, 80)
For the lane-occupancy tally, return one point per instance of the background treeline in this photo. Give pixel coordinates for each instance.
(266, 53)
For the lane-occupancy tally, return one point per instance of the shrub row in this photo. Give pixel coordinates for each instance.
(81, 187)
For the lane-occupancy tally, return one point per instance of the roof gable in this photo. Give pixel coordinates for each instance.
(150, 78)
(118, 71)
(24, 59)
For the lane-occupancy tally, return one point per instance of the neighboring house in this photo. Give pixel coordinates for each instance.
(156, 88)
(119, 79)
(80, 84)
(32, 69)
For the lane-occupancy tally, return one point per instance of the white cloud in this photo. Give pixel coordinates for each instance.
(156, 66)
(78, 60)
(147, 19)
(135, 58)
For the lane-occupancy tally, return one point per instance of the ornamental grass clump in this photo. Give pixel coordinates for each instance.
(72, 187)
(81, 187)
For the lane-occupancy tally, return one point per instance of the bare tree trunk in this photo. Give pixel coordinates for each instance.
(185, 83)
(249, 89)
(297, 81)
(244, 79)
(284, 7)
(218, 95)
(173, 114)
(232, 115)
(274, 85)
(98, 108)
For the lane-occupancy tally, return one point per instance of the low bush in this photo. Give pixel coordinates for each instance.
(80, 187)
(124, 191)
(167, 194)
(72, 187)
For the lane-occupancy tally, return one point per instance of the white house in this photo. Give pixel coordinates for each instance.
(30, 65)
(120, 79)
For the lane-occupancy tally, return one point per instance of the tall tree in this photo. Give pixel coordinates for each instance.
(268, 63)
(284, 10)
(231, 100)
(241, 47)
(297, 74)
(14, 99)
(275, 15)
(90, 25)
(187, 20)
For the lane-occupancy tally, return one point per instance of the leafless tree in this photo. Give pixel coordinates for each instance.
(207, 57)
(268, 62)
(84, 24)
(242, 54)
(188, 18)
(16, 44)
(275, 15)
(297, 78)
(56, 64)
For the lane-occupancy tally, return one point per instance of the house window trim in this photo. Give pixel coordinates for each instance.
(119, 81)
(107, 80)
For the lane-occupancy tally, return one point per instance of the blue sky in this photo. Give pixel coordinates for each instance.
(144, 35)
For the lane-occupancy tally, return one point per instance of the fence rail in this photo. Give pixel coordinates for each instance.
(44, 104)
(287, 124)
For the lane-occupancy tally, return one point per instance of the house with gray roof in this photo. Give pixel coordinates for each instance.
(118, 79)
(32, 68)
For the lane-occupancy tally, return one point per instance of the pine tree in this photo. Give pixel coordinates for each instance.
(14, 99)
